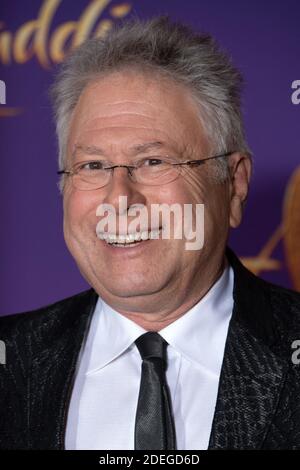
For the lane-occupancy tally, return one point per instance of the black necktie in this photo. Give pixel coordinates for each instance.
(154, 426)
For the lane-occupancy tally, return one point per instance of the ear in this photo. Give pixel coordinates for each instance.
(240, 174)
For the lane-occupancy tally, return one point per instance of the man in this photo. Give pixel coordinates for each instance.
(171, 348)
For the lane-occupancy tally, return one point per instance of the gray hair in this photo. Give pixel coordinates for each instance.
(172, 50)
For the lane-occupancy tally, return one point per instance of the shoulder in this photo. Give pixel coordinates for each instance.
(285, 305)
(269, 311)
(55, 313)
(250, 285)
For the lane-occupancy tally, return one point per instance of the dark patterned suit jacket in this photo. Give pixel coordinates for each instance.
(258, 405)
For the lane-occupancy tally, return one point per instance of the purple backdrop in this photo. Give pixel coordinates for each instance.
(264, 40)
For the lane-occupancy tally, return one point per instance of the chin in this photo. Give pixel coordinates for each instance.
(132, 286)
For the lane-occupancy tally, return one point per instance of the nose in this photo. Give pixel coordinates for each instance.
(121, 185)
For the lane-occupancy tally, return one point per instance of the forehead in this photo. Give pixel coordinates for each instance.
(130, 105)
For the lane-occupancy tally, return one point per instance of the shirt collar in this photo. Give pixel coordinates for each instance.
(112, 334)
(198, 334)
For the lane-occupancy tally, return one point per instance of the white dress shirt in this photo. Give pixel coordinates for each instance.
(105, 394)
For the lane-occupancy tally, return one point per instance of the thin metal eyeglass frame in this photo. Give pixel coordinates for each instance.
(131, 167)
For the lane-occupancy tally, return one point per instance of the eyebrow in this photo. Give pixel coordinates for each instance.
(135, 149)
(141, 148)
(89, 149)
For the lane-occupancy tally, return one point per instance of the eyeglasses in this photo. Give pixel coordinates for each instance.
(150, 171)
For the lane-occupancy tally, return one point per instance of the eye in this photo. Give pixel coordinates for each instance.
(91, 166)
(153, 161)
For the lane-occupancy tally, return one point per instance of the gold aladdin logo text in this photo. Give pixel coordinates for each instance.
(34, 38)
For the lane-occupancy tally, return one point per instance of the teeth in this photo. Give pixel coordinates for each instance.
(154, 234)
(130, 238)
(145, 235)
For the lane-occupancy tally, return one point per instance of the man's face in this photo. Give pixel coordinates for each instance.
(118, 115)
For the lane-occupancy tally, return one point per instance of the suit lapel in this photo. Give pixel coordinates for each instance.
(252, 372)
(53, 368)
(249, 390)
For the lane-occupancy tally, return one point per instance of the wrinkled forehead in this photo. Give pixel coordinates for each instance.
(133, 94)
(128, 102)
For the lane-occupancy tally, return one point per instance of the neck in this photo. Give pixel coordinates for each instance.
(163, 313)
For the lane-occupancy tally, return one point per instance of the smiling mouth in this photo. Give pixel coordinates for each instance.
(129, 240)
